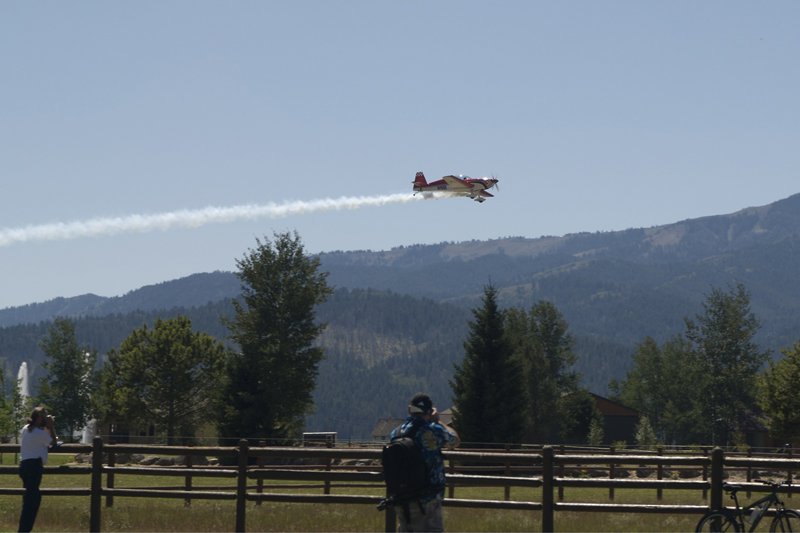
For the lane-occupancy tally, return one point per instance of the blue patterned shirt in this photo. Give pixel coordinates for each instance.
(430, 438)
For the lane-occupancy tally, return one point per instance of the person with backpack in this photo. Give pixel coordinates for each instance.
(421, 506)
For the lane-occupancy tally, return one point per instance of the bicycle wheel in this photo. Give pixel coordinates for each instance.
(718, 521)
(787, 520)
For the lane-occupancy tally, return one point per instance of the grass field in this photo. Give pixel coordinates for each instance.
(62, 513)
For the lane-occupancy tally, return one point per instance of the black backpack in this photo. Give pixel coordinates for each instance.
(404, 468)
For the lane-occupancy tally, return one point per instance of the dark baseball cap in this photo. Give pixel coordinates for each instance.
(421, 403)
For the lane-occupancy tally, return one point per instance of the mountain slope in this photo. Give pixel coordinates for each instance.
(381, 349)
(613, 288)
(194, 290)
(450, 270)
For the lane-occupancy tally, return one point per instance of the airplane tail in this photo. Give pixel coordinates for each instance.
(419, 180)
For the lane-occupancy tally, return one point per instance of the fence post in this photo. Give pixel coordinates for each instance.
(112, 461)
(547, 489)
(717, 459)
(95, 505)
(188, 483)
(390, 525)
(241, 487)
(508, 473)
(705, 472)
(660, 474)
(789, 478)
(328, 462)
(612, 450)
(451, 491)
(260, 483)
(749, 470)
(561, 474)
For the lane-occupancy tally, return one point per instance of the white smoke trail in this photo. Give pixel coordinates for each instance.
(187, 218)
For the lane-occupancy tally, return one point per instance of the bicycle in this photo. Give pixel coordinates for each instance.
(734, 519)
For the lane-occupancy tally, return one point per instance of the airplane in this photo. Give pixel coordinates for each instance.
(474, 188)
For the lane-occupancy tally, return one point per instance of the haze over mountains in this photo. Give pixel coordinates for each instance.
(404, 333)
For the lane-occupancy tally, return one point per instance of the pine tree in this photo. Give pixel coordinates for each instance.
(166, 376)
(644, 435)
(542, 340)
(269, 383)
(596, 433)
(488, 387)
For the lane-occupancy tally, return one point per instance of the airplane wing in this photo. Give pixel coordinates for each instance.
(486, 194)
(457, 183)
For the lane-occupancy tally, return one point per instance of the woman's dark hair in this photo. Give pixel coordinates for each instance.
(34, 418)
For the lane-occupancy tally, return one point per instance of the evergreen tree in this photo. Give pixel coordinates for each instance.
(596, 434)
(165, 376)
(542, 340)
(644, 435)
(728, 359)
(68, 387)
(488, 387)
(269, 384)
(778, 396)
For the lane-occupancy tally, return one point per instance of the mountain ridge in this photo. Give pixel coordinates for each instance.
(680, 242)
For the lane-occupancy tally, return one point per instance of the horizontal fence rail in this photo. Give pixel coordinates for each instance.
(528, 468)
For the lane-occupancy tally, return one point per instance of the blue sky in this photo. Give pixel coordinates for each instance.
(596, 116)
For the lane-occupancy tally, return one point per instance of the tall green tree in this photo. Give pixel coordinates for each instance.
(778, 395)
(542, 339)
(67, 388)
(661, 384)
(166, 376)
(489, 390)
(728, 359)
(269, 383)
(694, 387)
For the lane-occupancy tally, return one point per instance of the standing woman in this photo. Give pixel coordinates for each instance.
(37, 437)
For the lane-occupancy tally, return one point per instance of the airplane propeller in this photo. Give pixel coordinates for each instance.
(496, 183)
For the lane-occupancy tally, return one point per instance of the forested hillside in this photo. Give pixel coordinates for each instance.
(381, 349)
(20, 343)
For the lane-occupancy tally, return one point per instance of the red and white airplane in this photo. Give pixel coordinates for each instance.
(474, 188)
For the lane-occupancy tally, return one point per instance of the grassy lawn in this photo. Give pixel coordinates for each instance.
(145, 514)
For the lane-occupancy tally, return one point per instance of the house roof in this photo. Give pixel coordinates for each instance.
(385, 426)
(611, 408)
(752, 421)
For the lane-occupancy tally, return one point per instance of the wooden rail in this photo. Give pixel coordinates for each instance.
(523, 468)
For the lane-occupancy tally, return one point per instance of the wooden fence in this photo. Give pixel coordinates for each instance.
(516, 468)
